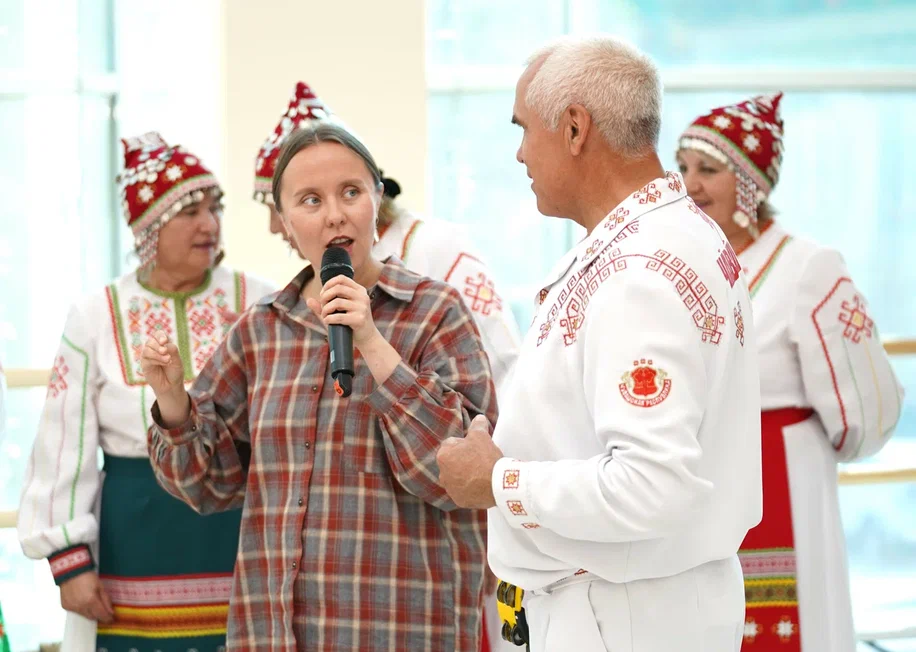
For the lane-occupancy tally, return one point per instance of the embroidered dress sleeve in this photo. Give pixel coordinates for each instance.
(56, 508)
(419, 408)
(200, 461)
(645, 385)
(847, 375)
(498, 330)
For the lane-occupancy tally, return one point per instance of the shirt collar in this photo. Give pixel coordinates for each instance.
(395, 280)
(653, 195)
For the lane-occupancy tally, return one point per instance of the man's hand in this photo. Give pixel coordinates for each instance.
(466, 465)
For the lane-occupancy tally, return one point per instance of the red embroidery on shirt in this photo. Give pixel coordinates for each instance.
(516, 508)
(646, 385)
(739, 324)
(594, 248)
(648, 194)
(530, 526)
(674, 181)
(820, 335)
(728, 263)
(548, 323)
(855, 319)
(510, 479)
(481, 294)
(616, 217)
(575, 297)
(58, 382)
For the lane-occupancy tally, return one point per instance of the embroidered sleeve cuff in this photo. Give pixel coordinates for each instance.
(392, 390)
(180, 434)
(70, 562)
(511, 489)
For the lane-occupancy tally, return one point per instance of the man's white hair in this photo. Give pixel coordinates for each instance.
(617, 84)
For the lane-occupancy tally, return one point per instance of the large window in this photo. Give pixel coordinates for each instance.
(75, 76)
(848, 70)
(58, 235)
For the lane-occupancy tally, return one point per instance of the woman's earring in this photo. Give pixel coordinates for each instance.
(377, 238)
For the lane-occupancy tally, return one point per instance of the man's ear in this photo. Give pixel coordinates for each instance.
(577, 124)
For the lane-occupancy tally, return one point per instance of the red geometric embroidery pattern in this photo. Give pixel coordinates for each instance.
(483, 297)
(69, 560)
(648, 194)
(548, 323)
(204, 313)
(510, 479)
(820, 335)
(615, 218)
(594, 248)
(674, 181)
(693, 292)
(144, 318)
(530, 526)
(582, 286)
(58, 382)
(855, 319)
(516, 508)
(646, 386)
(728, 263)
(739, 324)
(202, 323)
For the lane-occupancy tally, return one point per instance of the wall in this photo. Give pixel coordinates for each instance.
(364, 59)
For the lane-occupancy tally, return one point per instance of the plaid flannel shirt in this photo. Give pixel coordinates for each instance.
(347, 541)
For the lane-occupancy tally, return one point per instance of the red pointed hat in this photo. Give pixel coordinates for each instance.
(304, 108)
(159, 181)
(748, 137)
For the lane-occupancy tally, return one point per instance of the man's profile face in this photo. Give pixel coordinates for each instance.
(541, 150)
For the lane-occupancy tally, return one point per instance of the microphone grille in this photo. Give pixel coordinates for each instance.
(334, 262)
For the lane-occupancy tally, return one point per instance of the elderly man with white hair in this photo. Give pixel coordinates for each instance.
(624, 470)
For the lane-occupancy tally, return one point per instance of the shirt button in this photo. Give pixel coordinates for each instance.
(301, 502)
(314, 388)
(308, 445)
(294, 565)
(193, 428)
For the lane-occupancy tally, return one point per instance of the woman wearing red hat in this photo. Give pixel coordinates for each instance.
(150, 571)
(432, 248)
(828, 391)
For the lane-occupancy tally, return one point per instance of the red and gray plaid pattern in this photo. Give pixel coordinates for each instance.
(348, 541)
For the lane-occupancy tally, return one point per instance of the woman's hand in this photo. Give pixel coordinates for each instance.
(161, 364)
(344, 301)
(85, 595)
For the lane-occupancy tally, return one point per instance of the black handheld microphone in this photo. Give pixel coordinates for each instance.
(336, 261)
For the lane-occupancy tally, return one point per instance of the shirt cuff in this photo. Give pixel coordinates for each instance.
(512, 490)
(70, 562)
(389, 393)
(179, 434)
